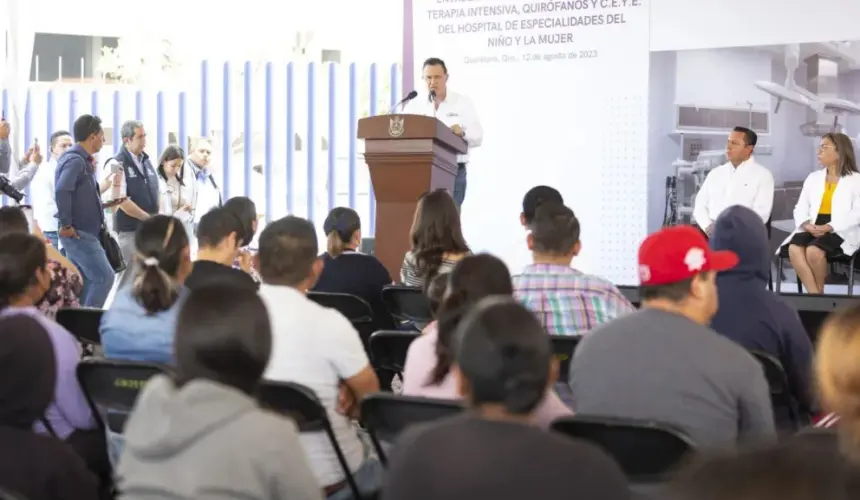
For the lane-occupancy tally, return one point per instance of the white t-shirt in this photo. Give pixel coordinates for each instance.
(316, 347)
(43, 195)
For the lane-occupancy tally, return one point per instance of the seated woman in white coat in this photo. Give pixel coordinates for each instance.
(827, 214)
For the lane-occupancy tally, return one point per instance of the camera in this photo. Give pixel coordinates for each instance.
(9, 190)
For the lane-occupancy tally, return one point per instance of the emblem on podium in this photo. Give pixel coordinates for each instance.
(395, 126)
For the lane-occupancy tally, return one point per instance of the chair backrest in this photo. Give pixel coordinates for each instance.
(297, 402)
(646, 451)
(786, 411)
(388, 348)
(386, 415)
(302, 405)
(408, 303)
(563, 347)
(112, 386)
(354, 308)
(82, 322)
(776, 377)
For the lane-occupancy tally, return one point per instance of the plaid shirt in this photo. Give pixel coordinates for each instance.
(567, 301)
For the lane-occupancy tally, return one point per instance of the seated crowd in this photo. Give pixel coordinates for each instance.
(227, 328)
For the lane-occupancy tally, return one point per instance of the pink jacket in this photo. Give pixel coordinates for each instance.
(420, 360)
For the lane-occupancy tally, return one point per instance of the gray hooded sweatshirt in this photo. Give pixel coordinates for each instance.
(207, 440)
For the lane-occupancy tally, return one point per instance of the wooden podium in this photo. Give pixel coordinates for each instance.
(407, 155)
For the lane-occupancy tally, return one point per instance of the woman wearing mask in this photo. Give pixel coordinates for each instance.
(25, 280)
(437, 239)
(176, 199)
(827, 213)
(430, 359)
(223, 344)
(66, 284)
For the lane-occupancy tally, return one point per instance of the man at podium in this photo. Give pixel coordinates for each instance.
(454, 110)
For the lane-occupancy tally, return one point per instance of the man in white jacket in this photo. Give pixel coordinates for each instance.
(740, 181)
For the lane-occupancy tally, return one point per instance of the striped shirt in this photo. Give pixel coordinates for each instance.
(567, 301)
(410, 275)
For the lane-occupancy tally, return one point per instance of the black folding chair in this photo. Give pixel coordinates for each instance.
(563, 347)
(647, 451)
(786, 411)
(112, 386)
(354, 308)
(302, 405)
(388, 349)
(408, 304)
(83, 323)
(386, 415)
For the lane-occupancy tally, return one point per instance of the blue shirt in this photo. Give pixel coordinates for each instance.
(77, 193)
(129, 332)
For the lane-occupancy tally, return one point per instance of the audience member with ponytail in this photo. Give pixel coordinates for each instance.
(504, 366)
(430, 359)
(219, 442)
(345, 270)
(24, 280)
(140, 323)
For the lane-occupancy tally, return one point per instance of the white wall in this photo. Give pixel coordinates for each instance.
(700, 24)
(722, 78)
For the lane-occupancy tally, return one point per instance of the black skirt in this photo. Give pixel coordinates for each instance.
(831, 242)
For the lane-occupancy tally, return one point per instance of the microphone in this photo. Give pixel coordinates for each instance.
(433, 100)
(409, 97)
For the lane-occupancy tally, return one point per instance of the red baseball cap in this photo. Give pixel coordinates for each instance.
(678, 253)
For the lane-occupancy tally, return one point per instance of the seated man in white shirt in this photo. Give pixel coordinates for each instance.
(318, 348)
(740, 181)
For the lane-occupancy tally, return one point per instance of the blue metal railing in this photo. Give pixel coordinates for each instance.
(305, 115)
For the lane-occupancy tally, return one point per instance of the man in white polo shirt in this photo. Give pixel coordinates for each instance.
(454, 110)
(318, 348)
(740, 181)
